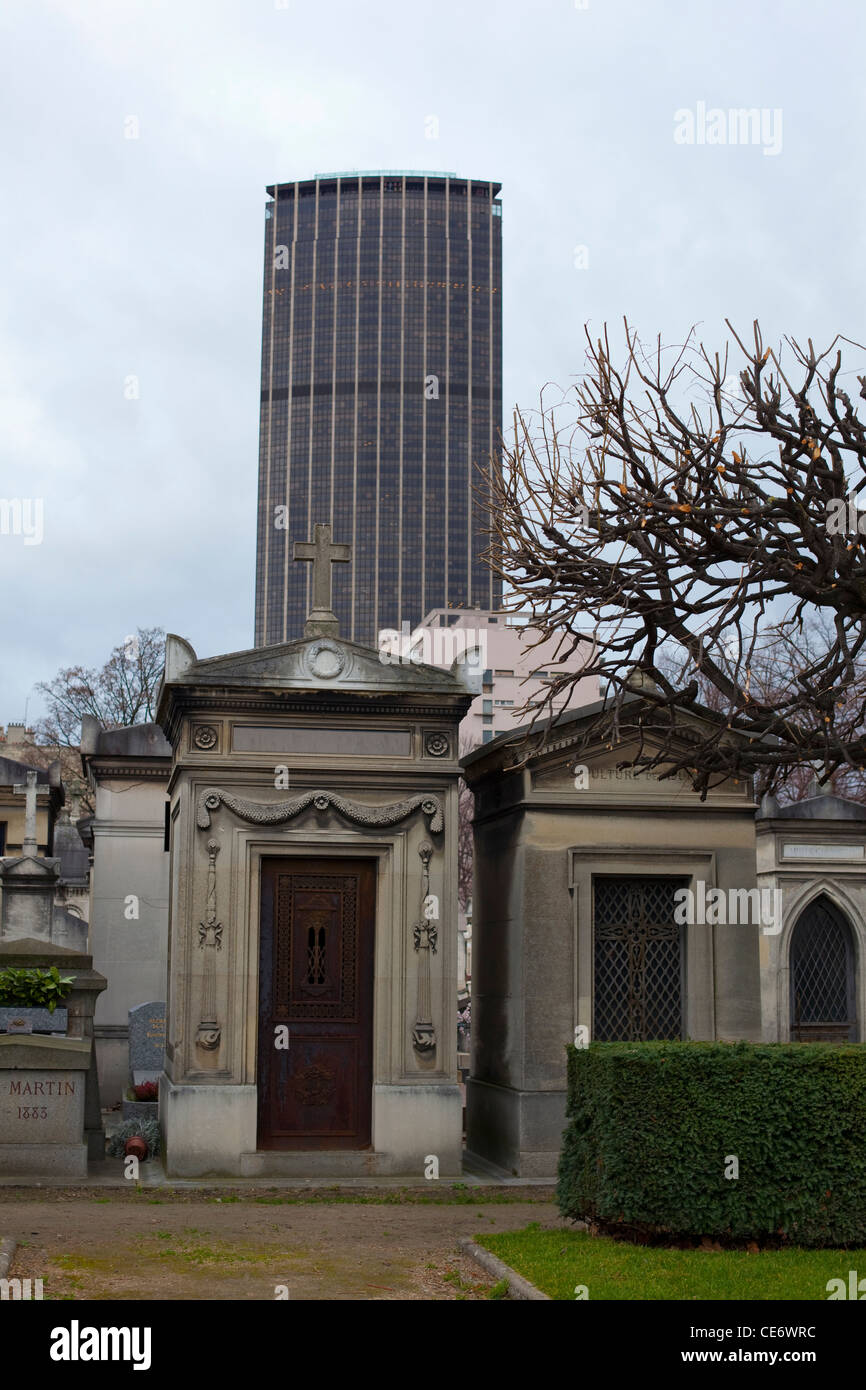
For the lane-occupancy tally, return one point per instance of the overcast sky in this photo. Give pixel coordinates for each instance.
(142, 257)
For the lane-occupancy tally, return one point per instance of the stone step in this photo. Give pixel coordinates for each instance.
(313, 1163)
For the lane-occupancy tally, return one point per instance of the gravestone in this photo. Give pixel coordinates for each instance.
(28, 887)
(146, 1042)
(146, 1056)
(26, 1058)
(43, 1086)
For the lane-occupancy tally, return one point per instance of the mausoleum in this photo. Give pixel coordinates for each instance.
(312, 908)
(608, 905)
(813, 983)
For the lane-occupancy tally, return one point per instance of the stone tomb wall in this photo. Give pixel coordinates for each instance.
(541, 838)
(129, 914)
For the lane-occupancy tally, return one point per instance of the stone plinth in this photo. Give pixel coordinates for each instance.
(43, 1089)
(80, 1005)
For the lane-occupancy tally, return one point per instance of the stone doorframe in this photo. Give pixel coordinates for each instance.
(804, 893)
(389, 857)
(587, 862)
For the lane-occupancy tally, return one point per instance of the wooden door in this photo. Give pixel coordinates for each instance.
(316, 982)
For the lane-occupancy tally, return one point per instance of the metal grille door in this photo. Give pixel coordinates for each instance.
(316, 995)
(638, 994)
(822, 977)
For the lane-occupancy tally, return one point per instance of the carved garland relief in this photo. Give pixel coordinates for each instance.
(424, 931)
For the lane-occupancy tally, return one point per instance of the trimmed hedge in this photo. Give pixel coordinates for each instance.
(651, 1126)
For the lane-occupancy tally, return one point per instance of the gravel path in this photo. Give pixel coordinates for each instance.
(179, 1245)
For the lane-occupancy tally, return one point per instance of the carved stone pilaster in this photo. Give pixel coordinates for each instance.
(210, 940)
(425, 934)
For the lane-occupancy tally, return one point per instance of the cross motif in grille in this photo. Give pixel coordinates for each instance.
(638, 971)
(316, 949)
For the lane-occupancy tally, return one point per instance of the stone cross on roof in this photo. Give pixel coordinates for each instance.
(28, 789)
(322, 621)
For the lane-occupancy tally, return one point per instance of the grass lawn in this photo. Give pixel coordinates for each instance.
(557, 1261)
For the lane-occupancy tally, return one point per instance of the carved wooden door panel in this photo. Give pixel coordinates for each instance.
(316, 996)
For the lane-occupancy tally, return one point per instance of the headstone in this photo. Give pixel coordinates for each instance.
(37, 1052)
(146, 1042)
(27, 888)
(43, 1084)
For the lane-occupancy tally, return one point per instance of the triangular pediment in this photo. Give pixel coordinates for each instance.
(29, 866)
(315, 663)
(571, 758)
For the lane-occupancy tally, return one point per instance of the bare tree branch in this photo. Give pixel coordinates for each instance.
(688, 523)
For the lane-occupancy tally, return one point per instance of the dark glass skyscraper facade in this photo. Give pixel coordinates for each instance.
(381, 393)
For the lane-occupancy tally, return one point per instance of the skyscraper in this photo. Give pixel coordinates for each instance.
(381, 392)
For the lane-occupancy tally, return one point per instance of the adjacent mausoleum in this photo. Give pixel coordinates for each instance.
(813, 984)
(128, 771)
(575, 935)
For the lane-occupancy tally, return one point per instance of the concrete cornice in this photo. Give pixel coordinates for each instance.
(325, 703)
(134, 771)
(148, 829)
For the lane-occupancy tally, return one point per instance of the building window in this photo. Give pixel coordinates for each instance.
(487, 678)
(486, 735)
(503, 673)
(823, 987)
(487, 707)
(539, 675)
(487, 719)
(504, 702)
(638, 974)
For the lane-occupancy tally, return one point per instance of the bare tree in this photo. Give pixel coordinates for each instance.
(678, 515)
(120, 693)
(775, 668)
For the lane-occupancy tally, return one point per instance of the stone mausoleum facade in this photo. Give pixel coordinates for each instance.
(312, 970)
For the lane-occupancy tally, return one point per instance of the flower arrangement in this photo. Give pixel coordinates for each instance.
(145, 1090)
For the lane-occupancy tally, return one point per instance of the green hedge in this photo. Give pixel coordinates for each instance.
(650, 1126)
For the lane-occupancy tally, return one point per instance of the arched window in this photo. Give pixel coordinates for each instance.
(823, 1007)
